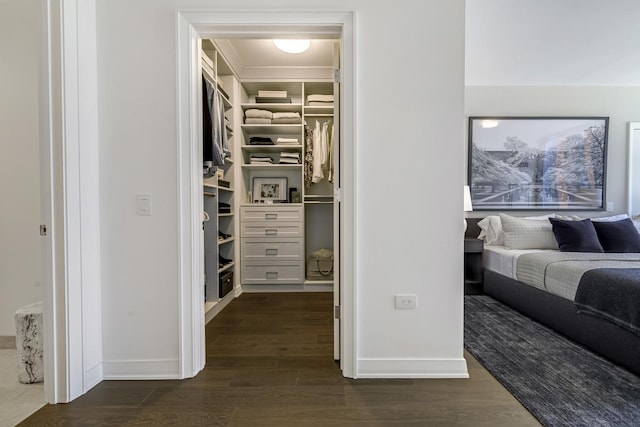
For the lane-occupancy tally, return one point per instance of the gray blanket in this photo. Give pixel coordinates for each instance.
(612, 294)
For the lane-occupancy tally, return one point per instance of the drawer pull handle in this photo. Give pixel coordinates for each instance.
(271, 215)
(271, 231)
(271, 251)
(272, 274)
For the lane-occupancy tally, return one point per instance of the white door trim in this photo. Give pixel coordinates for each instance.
(192, 25)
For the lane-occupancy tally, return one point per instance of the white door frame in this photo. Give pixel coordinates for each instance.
(191, 26)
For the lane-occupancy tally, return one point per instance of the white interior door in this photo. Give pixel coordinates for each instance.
(336, 203)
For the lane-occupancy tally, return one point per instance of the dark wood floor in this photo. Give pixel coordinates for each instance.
(270, 363)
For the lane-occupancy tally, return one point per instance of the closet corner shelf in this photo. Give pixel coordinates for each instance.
(272, 129)
(226, 267)
(209, 185)
(276, 166)
(208, 194)
(273, 107)
(271, 148)
(223, 215)
(230, 190)
(222, 242)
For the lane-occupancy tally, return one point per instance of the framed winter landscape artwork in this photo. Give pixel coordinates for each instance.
(537, 163)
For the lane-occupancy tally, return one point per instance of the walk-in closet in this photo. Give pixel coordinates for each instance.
(270, 168)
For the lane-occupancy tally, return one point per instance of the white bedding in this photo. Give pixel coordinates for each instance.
(556, 272)
(503, 260)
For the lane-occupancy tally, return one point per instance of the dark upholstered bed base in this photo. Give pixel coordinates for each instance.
(616, 344)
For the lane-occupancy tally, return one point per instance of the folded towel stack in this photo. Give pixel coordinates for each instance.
(289, 158)
(260, 159)
(320, 100)
(287, 141)
(260, 140)
(256, 116)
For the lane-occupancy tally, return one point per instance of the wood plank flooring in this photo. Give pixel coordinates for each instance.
(270, 363)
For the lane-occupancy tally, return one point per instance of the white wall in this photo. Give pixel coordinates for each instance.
(551, 42)
(20, 250)
(410, 133)
(548, 57)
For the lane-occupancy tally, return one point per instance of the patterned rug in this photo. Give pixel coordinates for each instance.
(558, 381)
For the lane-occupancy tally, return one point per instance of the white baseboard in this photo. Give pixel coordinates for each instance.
(288, 288)
(93, 376)
(150, 369)
(412, 368)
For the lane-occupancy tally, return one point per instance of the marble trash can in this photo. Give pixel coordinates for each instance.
(29, 343)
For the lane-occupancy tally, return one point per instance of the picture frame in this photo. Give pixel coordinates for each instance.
(269, 190)
(537, 163)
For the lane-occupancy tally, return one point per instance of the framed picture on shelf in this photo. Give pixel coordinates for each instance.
(537, 163)
(269, 190)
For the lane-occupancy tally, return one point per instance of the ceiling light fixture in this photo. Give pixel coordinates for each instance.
(489, 123)
(292, 45)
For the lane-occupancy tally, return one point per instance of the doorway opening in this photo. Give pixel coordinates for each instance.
(337, 27)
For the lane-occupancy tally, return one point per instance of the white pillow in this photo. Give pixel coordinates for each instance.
(527, 233)
(492, 232)
(610, 218)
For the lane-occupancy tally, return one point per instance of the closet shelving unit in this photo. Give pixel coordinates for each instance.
(214, 193)
(316, 207)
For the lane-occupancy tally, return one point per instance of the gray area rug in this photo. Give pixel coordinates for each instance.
(561, 383)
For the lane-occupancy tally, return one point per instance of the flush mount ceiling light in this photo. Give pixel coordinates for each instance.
(489, 123)
(292, 45)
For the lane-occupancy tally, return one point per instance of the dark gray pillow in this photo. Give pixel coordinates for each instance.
(575, 236)
(618, 236)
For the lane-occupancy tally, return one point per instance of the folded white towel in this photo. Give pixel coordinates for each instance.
(282, 140)
(256, 121)
(321, 98)
(259, 114)
(286, 115)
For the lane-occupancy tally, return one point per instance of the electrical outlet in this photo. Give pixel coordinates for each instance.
(609, 206)
(406, 301)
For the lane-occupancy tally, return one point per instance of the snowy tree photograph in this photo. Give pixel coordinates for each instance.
(542, 163)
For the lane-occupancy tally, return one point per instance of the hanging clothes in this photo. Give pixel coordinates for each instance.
(308, 157)
(215, 144)
(319, 153)
(330, 156)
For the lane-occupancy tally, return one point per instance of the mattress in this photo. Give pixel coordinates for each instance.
(556, 272)
(503, 260)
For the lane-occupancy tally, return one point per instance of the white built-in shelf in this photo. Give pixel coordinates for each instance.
(271, 148)
(221, 188)
(222, 215)
(272, 129)
(274, 107)
(209, 185)
(208, 194)
(318, 202)
(222, 242)
(275, 166)
(318, 109)
(226, 267)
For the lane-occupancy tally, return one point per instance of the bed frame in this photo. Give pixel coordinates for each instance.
(601, 336)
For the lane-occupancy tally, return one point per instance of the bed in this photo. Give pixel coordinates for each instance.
(508, 278)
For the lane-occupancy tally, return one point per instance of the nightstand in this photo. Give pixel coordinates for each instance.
(473, 266)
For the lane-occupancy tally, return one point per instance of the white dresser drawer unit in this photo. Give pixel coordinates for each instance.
(272, 272)
(272, 244)
(275, 213)
(267, 249)
(272, 230)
